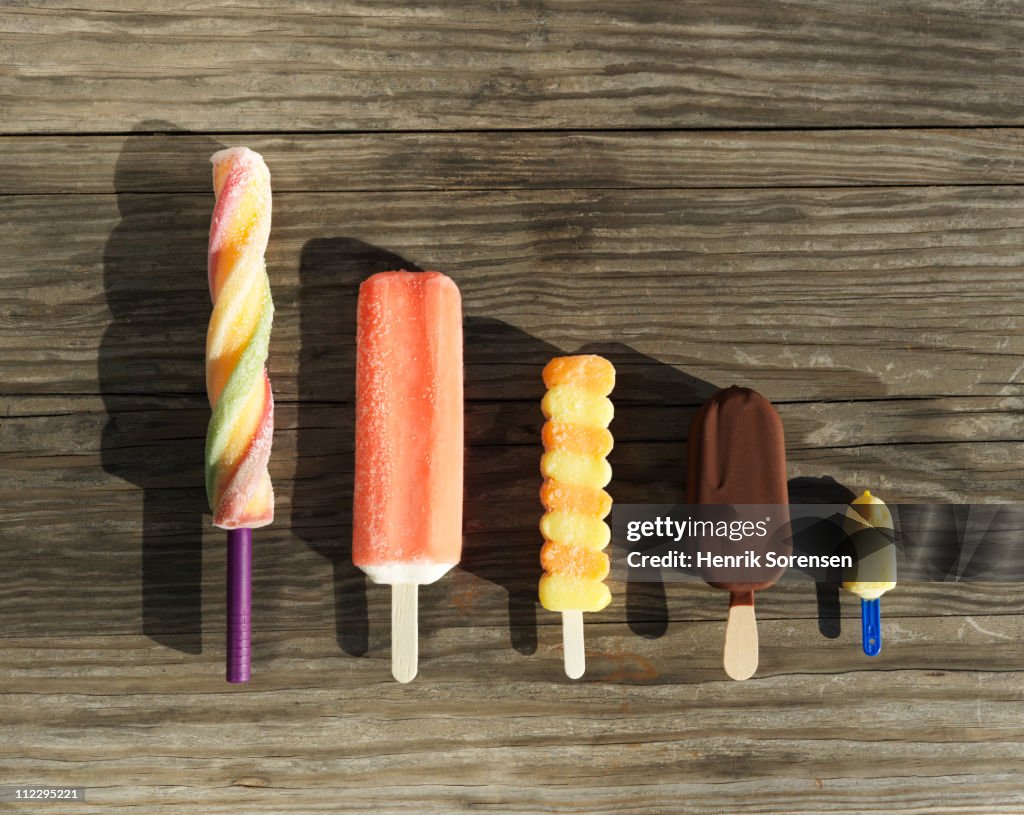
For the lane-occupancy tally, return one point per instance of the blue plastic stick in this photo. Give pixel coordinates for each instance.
(871, 626)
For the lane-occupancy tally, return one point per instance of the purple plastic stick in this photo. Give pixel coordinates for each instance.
(239, 645)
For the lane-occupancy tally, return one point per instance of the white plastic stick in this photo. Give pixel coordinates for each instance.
(405, 635)
(572, 642)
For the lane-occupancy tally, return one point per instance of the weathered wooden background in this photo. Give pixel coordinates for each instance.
(819, 199)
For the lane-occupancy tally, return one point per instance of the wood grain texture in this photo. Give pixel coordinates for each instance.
(404, 162)
(654, 724)
(880, 293)
(554, 64)
(573, 165)
(116, 517)
(101, 446)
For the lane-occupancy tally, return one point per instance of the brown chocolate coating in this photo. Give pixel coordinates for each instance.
(737, 455)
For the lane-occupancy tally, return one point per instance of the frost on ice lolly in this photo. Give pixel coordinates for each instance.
(241, 428)
(869, 530)
(576, 441)
(737, 455)
(407, 515)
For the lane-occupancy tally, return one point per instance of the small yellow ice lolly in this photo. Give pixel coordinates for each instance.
(869, 529)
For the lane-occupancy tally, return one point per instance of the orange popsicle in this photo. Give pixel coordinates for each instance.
(407, 520)
(576, 442)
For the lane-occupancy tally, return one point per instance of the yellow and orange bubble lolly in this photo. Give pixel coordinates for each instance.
(576, 441)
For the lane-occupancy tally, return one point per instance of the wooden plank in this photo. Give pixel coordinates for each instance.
(806, 294)
(177, 161)
(821, 728)
(560, 64)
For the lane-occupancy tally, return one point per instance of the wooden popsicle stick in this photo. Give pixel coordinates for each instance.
(572, 643)
(740, 655)
(405, 635)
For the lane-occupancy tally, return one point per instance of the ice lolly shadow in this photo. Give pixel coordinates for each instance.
(824, 536)
(654, 403)
(154, 277)
(330, 271)
(502, 502)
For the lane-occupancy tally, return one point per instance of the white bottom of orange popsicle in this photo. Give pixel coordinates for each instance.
(420, 574)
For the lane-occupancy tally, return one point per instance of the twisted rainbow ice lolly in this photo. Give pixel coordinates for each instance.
(241, 428)
(576, 443)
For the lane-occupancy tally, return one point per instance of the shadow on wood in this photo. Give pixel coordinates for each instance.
(502, 504)
(653, 402)
(654, 405)
(330, 272)
(153, 393)
(825, 535)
